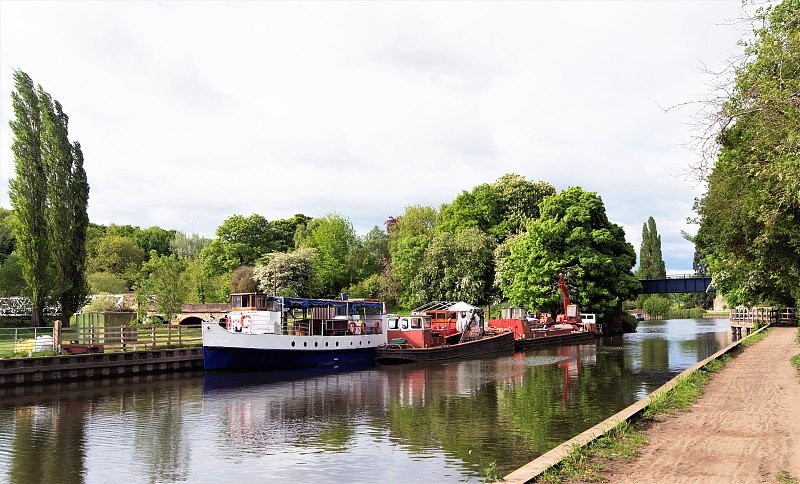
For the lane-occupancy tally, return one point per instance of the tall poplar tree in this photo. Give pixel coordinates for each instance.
(28, 192)
(50, 196)
(651, 262)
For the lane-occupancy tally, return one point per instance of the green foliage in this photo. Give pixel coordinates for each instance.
(106, 282)
(572, 236)
(205, 287)
(11, 281)
(456, 268)
(188, 247)
(651, 263)
(242, 280)
(409, 235)
(100, 304)
(333, 237)
(657, 306)
(629, 323)
(161, 282)
(370, 254)
(288, 274)
(117, 255)
(749, 223)
(28, 193)
(500, 209)
(370, 287)
(7, 240)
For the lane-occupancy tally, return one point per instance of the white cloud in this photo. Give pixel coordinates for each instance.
(189, 112)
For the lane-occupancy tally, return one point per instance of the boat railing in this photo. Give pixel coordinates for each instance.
(330, 327)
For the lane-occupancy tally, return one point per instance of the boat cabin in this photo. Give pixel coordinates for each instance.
(261, 313)
(415, 331)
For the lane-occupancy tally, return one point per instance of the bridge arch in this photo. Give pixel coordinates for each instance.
(192, 319)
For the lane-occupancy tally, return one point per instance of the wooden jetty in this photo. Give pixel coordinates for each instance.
(748, 318)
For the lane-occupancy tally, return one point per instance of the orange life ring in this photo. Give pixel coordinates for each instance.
(377, 327)
(351, 327)
(363, 328)
(245, 321)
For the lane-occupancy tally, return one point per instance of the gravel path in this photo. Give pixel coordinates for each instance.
(745, 427)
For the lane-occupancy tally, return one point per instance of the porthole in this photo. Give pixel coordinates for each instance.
(316, 344)
(326, 343)
(292, 344)
(305, 343)
(337, 343)
(359, 343)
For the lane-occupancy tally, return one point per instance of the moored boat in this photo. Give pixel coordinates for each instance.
(264, 332)
(412, 339)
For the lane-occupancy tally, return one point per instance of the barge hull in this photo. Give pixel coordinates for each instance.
(492, 346)
(231, 358)
(557, 340)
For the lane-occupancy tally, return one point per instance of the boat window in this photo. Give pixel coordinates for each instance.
(427, 323)
(273, 305)
(237, 301)
(416, 323)
(392, 323)
(404, 323)
(261, 302)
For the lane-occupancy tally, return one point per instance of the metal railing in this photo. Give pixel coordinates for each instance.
(26, 340)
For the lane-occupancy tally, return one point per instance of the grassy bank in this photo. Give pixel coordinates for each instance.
(625, 439)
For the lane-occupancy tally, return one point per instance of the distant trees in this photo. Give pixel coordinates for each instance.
(288, 273)
(161, 281)
(651, 262)
(49, 196)
(750, 215)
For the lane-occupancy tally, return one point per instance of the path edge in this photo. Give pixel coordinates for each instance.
(554, 456)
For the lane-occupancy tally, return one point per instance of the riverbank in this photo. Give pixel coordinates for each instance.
(741, 430)
(745, 427)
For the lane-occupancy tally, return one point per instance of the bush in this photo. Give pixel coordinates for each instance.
(100, 304)
(106, 283)
(629, 323)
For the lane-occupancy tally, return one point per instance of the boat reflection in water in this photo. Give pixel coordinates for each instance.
(423, 421)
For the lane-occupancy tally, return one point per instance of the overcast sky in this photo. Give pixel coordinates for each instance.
(190, 112)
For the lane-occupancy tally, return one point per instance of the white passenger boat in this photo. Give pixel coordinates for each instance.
(273, 332)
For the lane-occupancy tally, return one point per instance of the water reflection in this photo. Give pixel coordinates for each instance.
(421, 422)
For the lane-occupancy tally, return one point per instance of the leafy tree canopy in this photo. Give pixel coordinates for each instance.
(499, 209)
(572, 236)
(288, 273)
(750, 215)
(333, 237)
(117, 255)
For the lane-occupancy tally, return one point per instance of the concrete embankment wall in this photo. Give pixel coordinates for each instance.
(18, 371)
(535, 468)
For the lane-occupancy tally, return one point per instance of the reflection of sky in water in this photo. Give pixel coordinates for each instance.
(687, 341)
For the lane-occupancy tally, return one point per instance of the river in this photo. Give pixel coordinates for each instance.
(407, 423)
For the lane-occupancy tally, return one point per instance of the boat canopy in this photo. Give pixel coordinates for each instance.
(299, 302)
(443, 306)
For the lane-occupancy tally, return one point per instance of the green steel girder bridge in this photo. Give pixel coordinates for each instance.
(677, 284)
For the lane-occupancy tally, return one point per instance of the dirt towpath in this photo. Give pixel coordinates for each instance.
(745, 427)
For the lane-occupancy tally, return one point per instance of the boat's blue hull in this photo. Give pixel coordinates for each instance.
(222, 358)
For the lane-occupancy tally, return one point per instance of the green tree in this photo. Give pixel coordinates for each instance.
(106, 282)
(651, 263)
(287, 273)
(188, 247)
(68, 198)
(333, 237)
(242, 280)
(161, 282)
(7, 240)
(409, 235)
(573, 236)
(499, 209)
(12, 283)
(456, 268)
(749, 223)
(119, 256)
(369, 254)
(28, 193)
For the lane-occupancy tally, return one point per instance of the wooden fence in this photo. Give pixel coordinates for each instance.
(764, 315)
(130, 337)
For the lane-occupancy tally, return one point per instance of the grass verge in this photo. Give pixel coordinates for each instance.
(586, 464)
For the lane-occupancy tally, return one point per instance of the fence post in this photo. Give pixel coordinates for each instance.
(57, 336)
(122, 337)
(169, 334)
(180, 334)
(153, 332)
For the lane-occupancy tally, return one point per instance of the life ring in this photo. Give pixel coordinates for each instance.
(377, 327)
(227, 323)
(363, 328)
(351, 327)
(245, 321)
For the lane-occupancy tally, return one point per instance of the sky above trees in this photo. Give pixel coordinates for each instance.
(191, 112)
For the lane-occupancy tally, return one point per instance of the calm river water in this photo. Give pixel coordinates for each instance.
(409, 423)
